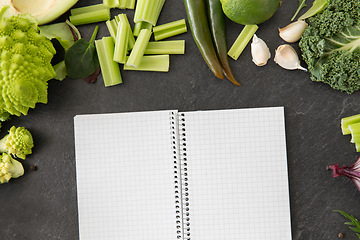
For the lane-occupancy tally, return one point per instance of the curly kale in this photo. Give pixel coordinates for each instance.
(330, 45)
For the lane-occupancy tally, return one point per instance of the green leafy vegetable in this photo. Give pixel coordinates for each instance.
(317, 7)
(81, 59)
(302, 4)
(354, 222)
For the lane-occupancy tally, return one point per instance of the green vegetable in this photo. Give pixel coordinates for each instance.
(123, 18)
(166, 47)
(90, 17)
(139, 48)
(141, 25)
(81, 59)
(18, 142)
(169, 29)
(156, 63)
(354, 222)
(91, 8)
(198, 21)
(330, 45)
(317, 7)
(302, 4)
(25, 64)
(121, 43)
(148, 11)
(242, 40)
(9, 168)
(347, 121)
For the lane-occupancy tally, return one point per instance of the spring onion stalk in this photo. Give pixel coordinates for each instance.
(155, 63)
(346, 121)
(166, 47)
(123, 18)
(111, 3)
(112, 27)
(91, 8)
(169, 29)
(139, 48)
(141, 25)
(130, 4)
(90, 17)
(109, 68)
(121, 43)
(242, 40)
(148, 11)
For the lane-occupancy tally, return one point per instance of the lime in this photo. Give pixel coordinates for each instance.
(249, 12)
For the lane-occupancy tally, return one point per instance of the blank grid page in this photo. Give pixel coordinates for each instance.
(237, 174)
(125, 176)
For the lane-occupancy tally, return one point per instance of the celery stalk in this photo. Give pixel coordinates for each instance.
(90, 17)
(166, 47)
(346, 121)
(355, 138)
(141, 25)
(112, 27)
(242, 40)
(123, 18)
(169, 29)
(148, 11)
(111, 3)
(130, 4)
(121, 43)
(87, 9)
(139, 48)
(109, 69)
(122, 4)
(156, 63)
(354, 128)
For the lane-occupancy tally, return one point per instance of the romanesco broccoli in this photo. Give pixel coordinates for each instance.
(330, 45)
(18, 142)
(9, 168)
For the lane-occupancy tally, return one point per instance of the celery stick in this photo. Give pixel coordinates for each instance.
(139, 48)
(156, 63)
(87, 9)
(141, 25)
(345, 122)
(357, 146)
(111, 3)
(158, 6)
(148, 11)
(110, 70)
(122, 4)
(354, 127)
(355, 138)
(169, 29)
(242, 40)
(130, 4)
(112, 27)
(121, 42)
(123, 18)
(166, 47)
(90, 17)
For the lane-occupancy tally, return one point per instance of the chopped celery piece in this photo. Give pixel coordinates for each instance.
(155, 63)
(166, 47)
(354, 128)
(130, 4)
(112, 27)
(169, 29)
(91, 8)
(148, 11)
(90, 17)
(110, 69)
(139, 48)
(357, 146)
(345, 122)
(122, 4)
(141, 25)
(242, 40)
(355, 138)
(123, 18)
(111, 3)
(121, 42)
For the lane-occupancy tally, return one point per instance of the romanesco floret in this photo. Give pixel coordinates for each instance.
(25, 64)
(18, 142)
(9, 168)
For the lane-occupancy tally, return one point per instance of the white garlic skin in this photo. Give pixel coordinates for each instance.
(286, 57)
(259, 51)
(292, 32)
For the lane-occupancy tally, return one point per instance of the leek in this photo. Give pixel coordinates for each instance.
(169, 29)
(166, 47)
(139, 48)
(155, 63)
(242, 40)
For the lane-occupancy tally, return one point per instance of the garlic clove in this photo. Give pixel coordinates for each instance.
(286, 57)
(259, 51)
(292, 32)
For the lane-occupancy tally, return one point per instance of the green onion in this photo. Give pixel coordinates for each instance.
(139, 48)
(169, 29)
(242, 40)
(148, 11)
(123, 18)
(141, 25)
(90, 17)
(109, 68)
(121, 42)
(111, 3)
(112, 27)
(156, 63)
(166, 47)
(345, 122)
(91, 8)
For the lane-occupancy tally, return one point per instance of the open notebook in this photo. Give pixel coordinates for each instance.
(192, 175)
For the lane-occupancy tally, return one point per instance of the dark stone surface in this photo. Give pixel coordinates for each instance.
(42, 204)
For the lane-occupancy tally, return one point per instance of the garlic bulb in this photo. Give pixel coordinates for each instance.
(286, 57)
(259, 51)
(292, 32)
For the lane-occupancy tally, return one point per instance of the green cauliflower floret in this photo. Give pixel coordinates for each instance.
(18, 142)
(9, 168)
(25, 64)
(330, 45)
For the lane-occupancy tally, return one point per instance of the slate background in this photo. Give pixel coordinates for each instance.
(42, 204)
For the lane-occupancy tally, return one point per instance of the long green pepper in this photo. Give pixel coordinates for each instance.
(198, 21)
(217, 26)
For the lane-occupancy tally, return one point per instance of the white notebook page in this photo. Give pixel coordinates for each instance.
(237, 174)
(125, 176)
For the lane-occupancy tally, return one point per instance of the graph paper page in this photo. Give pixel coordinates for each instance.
(237, 174)
(125, 176)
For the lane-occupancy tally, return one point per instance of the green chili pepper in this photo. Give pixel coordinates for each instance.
(197, 17)
(217, 26)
